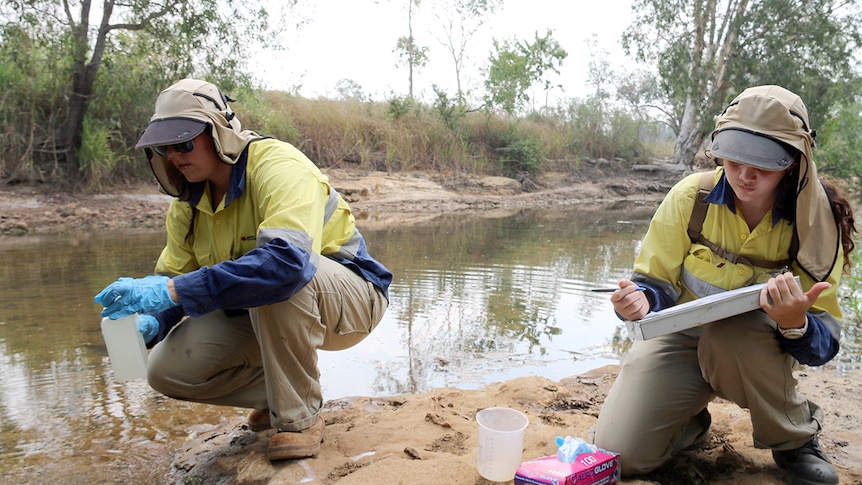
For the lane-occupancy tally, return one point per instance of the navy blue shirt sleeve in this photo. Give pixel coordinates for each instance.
(658, 300)
(167, 319)
(816, 347)
(271, 273)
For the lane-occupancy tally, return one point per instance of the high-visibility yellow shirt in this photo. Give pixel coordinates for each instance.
(678, 270)
(262, 242)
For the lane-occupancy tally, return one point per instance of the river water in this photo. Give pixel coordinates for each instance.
(476, 299)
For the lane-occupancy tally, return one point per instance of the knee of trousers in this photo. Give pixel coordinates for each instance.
(160, 377)
(742, 336)
(165, 377)
(730, 349)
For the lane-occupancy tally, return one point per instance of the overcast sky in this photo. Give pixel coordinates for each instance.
(354, 39)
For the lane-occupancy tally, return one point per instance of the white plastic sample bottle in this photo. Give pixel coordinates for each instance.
(126, 348)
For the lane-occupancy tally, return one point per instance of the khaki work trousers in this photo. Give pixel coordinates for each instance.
(658, 404)
(268, 358)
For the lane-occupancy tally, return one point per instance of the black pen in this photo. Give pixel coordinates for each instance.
(611, 290)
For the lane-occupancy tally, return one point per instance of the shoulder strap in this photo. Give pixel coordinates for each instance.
(698, 212)
(695, 229)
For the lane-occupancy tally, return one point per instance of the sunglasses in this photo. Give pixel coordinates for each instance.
(183, 147)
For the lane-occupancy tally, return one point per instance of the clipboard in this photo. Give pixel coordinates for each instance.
(697, 312)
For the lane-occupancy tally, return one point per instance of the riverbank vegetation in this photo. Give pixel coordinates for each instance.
(399, 134)
(77, 92)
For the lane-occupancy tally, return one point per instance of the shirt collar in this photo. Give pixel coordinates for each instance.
(722, 194)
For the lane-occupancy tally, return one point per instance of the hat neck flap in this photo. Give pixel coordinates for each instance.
(202, 101)
(780, 114)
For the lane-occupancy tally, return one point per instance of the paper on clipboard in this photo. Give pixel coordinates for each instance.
(697, 312)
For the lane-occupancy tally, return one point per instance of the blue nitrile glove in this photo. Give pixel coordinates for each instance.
(148, 325)
(128, 296)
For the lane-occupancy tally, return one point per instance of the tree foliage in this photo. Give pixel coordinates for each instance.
(841, 144)
(515, 66)
(410, 54)
(83, 41)
(707, 51)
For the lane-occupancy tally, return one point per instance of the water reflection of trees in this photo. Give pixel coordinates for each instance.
(469, 287)
(56, 382)
(46, 304)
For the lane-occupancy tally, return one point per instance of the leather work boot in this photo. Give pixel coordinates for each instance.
(258, 420)
(289, 445)
(806, 465)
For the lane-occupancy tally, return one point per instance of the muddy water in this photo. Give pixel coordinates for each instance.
(475, 300)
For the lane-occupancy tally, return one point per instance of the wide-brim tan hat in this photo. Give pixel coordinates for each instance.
(183, 111)
(773, 113)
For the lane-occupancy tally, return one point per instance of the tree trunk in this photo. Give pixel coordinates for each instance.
(411, 53)
(71, 131)
(70, 135)
(690, 136)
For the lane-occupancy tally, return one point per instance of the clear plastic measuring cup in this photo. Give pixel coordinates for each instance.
(501, 442)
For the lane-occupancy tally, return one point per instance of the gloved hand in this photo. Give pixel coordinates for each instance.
(128, 296)
(148, 325)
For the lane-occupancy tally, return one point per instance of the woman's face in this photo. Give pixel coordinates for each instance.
(752, 184)
(201, 163)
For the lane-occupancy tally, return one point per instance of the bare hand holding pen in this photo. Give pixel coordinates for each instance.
(629, 302)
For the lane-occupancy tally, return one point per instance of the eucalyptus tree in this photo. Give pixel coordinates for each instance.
(414, 56)
(189, 36)
(460, 21)
(515, 66)
(706, 51)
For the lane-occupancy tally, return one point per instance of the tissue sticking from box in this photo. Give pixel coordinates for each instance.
(576, 463)
(569, 448)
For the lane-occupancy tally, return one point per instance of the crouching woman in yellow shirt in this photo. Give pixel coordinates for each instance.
(263, 266)
(769, 218)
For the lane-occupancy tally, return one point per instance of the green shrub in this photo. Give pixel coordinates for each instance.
(96, 157)
(522, 154)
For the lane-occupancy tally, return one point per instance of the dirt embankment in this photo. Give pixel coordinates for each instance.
(393, 198)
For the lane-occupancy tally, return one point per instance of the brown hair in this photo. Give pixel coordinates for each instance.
(190, 233)
(843, 213)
